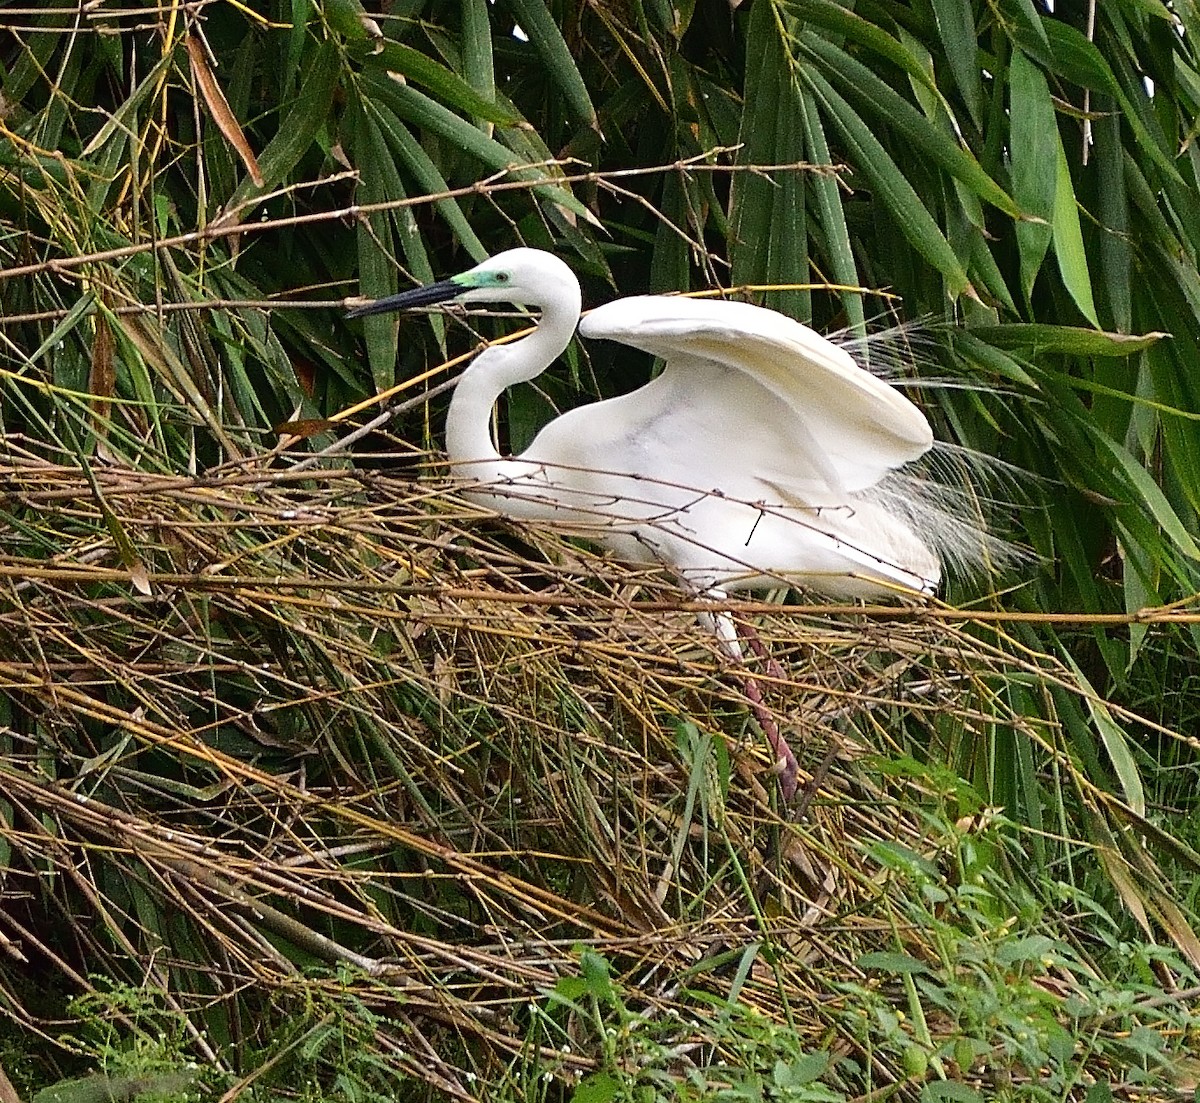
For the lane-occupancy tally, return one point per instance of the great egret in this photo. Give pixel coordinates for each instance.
(761, 456)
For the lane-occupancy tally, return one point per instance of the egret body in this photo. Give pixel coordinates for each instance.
(759, 457)
(763, 455)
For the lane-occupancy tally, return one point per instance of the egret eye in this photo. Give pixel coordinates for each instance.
(501, 277)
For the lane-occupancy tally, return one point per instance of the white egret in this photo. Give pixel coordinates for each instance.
(761, 456)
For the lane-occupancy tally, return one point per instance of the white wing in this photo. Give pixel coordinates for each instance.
(773, 380)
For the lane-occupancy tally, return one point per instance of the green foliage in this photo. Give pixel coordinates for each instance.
(288, 741)
(976, 1001)
(1027, 1009)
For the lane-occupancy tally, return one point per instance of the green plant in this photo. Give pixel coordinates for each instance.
(301, 741)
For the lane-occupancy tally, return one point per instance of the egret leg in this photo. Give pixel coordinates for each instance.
(785, 761)
(729, 631)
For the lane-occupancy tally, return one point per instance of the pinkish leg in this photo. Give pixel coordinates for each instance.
(785, 761)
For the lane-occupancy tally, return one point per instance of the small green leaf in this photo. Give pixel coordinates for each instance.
(953, 1090)
(1033, 153)
(1068, 242)
(1030, 948)
(1066, 340)
(956, 28)
(803, 1070)
(891, 962)
(571, 988)
(597, 1087)
(101, 1088)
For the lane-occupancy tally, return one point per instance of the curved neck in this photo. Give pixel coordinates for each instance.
(468, 424)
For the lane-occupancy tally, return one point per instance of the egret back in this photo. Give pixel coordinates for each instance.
(848, 425)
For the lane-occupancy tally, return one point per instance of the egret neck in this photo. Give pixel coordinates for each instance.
(468, 423)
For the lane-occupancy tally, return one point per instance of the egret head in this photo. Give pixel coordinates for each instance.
(528, 277)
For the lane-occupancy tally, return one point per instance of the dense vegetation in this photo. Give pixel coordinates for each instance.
(316, 777)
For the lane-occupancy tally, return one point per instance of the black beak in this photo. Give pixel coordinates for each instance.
(409, 300)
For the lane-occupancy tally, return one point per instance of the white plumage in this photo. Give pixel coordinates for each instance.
(762, 455)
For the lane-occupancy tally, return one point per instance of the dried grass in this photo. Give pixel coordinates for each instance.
(342, 718)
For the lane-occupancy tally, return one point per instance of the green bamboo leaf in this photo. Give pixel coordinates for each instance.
(298, 128)
(302, 13)
(670, 261)
(378, 183)
(36, 171)
(1033, 153)
(535, 20)
(349, 17)
(1145, 202)
(417, 108)
(834, 17)
(105, 170)
(1113, 736)
(126, 550)
(967, 239)
(304, 118)
(1137, 593)
(979, 346)
(1112, 210)
(927, 140)
(80, 308)
(448, 87)
(1030, 20)
(956, 28)
(1068, 242)
(1173, 381)
(478, 64)
(831, 215)
(1119, 873)
(1067, 52)
(527, 145)
(1065, 340)
(122, 118)
(33, 62)
(1151, 495)
(1157, 831)
(767, 213)
(413, 156)
(891, 186)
